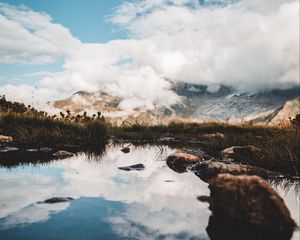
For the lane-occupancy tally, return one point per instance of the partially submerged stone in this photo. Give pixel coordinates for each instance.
(125, 150)
(209, 169)
(251, 200)
(63, 154)
(45, 149)
(5, 139)
(242, 154)
(57, 200)
(180, 161)
(203, 198)
(137, 167)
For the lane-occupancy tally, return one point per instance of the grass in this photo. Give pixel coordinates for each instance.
(35, 130)
(279, 145)
(29, 127)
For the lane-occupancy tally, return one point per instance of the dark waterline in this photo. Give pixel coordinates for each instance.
(156, 203)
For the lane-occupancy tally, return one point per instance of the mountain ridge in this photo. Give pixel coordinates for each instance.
(196, 104)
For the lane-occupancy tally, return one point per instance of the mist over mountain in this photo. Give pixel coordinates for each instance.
(195, 103)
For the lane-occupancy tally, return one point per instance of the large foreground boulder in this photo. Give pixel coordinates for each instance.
(207, 170)
(180, 161)
(250, 200)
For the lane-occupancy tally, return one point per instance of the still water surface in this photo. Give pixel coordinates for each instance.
(156, 203)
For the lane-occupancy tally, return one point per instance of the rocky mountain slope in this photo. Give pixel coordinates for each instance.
(196, 104)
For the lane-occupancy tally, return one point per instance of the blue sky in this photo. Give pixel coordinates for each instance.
(86, 19)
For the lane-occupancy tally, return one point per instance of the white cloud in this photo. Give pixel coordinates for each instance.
(30, 37)
(150, 203)
(248, 44)
(30, 95)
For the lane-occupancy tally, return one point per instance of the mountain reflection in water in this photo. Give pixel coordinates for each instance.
(155, 203)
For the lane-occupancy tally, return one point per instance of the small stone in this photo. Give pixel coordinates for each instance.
(125, 150)
(57, 200)
(137, 167)
(63, 154)
(5, 139)
(45, 149)
(203, 198)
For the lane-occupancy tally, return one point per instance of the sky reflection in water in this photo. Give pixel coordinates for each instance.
(156, 203)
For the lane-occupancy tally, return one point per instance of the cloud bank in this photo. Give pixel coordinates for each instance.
(247, 44)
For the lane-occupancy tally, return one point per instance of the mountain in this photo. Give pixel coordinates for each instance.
(196, 103)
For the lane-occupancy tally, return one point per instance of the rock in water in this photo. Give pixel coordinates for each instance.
(63, 154)
(242, 154)
(57, 200)
(45, 149)
(5, 139)
(251, 200)
(207, 170)
(125, 150)
(179, 161)
(137, 167)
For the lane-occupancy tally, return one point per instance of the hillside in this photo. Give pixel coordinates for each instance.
(196, 104)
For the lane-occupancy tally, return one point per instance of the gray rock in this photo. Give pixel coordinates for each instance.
(57, 200)
(137, 167)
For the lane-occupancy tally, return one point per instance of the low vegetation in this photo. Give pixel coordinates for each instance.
(29, 127)
(279, 145)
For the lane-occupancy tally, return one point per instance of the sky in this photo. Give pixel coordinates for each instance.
(136, 49)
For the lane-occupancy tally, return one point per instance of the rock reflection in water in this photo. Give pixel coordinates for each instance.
(226, 229)
(156, 203)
